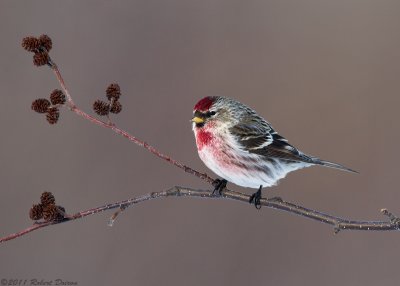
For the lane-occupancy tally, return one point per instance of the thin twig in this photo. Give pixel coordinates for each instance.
(337, 222)
(124, 133)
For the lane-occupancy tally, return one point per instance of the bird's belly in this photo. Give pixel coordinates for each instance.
(246, 169)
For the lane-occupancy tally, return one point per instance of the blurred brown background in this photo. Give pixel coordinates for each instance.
(324, 73)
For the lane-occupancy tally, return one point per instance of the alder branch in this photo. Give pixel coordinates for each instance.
(276, 203)
(124, 133)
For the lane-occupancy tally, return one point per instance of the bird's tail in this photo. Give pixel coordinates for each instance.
(318, 161)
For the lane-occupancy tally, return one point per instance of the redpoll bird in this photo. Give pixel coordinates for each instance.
(241, 147)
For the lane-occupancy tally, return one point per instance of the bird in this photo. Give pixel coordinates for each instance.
(243, 148)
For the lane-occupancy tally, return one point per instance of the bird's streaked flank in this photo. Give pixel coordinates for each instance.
(241, 147)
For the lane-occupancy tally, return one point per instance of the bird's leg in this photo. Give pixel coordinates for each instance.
(255, 198)
(219, 186)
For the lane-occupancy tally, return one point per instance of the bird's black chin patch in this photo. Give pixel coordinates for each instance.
(199, 125)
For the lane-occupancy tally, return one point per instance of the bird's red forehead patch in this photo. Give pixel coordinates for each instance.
(204, 104)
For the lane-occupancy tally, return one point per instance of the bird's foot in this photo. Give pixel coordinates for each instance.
(219, 186)
(256, 198)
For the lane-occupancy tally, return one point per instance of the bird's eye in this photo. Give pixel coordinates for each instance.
(211, 113)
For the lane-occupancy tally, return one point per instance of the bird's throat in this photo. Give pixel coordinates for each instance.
(203, 138)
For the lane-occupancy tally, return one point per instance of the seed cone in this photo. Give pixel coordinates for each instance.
(57, 97)
(113, 91)
(45, 42)
(47, 198)
(53, 114)
(53, 213)
(116, 107)
(31, 44)
(101, 108)
(40, 59)
(40, 105)
(36, 212)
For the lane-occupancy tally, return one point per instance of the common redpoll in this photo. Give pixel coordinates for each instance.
(241, 147)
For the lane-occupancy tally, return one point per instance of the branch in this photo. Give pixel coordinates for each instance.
(274, 203)
(124, 133)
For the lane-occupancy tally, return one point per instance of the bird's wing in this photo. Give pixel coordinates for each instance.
(252, 135)
(258, 137)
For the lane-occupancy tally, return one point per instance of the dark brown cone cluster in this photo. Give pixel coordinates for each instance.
(40, 59)
(40, 105)
(47, 198)
(52, 115)
(36, 212)
(31, 44)
(40, 47)
(57, 97)
(101, 108)
(116, 107)
(43, 105)
(53, 213)
(47, 209)
(113, 93)
(45, 42)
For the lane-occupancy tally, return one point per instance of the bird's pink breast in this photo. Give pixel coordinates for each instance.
(203, 138)
(209, 145)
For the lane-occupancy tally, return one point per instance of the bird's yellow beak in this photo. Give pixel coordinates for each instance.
(197, 120)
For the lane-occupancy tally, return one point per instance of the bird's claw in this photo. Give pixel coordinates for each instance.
(219, 186)
(256, 199)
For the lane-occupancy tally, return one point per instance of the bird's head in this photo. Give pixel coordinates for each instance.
(204, 111)
(217, 112)
(207, 112)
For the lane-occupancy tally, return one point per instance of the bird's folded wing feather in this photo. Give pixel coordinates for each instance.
(258, 137)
